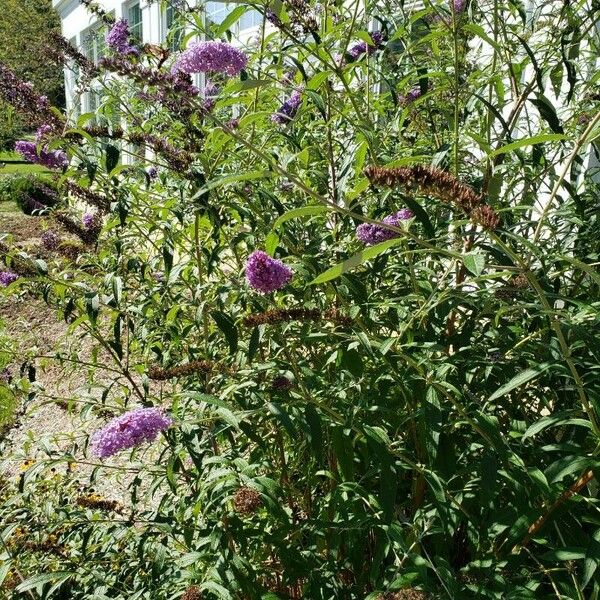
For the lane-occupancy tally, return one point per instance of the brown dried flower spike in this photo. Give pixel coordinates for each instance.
(192, 593)
(439, 184)
(196, 366)
(407, 594)
(246, 501)
(299, 313)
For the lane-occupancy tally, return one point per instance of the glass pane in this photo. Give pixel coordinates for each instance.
(250, 19)
(134, 18)
(174, 29)
(217, 11)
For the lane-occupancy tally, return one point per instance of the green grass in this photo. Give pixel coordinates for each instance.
(9, 208)
(9, 155)
(22, 169)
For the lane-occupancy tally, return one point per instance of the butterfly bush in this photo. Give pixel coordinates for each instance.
(129, 430)
(410, 420)
(7, 277)
(118, 38)
(210, 57)
(52, 159)
(287, 111)
(371, 233)
(266, 274)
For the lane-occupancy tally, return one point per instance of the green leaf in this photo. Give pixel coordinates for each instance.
(354, 261)
(43, 578)
(474, 263)
(112, 157)
(562, 418)
(230, 20)
(519, 380)
(282, 416)
(531, 141)
(227, 325)
(271, 243)
(304, 211)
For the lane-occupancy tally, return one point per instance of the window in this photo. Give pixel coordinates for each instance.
(134, 18)
(173, 28)
(216, 12)
(93, 44)
(250, 20)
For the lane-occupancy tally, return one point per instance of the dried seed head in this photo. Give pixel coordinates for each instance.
(246, 501)
(196, 366)
(298, 313)
(192, 593)
(281, 384)
(485, 216)
(407, 594)
(96, 501)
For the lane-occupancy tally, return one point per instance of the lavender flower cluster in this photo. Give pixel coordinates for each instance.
(371, 233)
(287, 111)
(50, 240)
(7, 277)
(362, 47)
(52, 159)
(411, 96)
(22, 96)
(129, 430)
(210, 57)
(266, 274)
(118, 38)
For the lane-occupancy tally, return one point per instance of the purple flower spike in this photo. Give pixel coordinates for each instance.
(7, 277)
(52, 159)
(371, 233)
(287, 111)
(210, 57)
(266, 274)
(50, 240)
(129, 430)
(458, 5)
(411, 96)
(362, 47)
(118, 38)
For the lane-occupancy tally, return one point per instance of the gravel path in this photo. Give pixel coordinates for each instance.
(52, 423)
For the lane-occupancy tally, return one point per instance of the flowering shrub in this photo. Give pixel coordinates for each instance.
(343, 316)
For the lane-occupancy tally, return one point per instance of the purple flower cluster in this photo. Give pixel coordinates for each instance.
(90, 220)
(7, 277)
(210, 57)
(211, 91)
(22, 96)
(362, 47)
(273, 18)
(287, 111)
(411, 96)
(371, 233)
(118, 38)
(52, 159)
(50, 240)
(129, 430)
(266, 274)
(458, 5)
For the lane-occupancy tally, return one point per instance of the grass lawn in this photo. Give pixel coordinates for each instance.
(24, 168)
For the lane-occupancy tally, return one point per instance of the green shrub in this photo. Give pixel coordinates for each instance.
(412, 400)
(33, 193)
